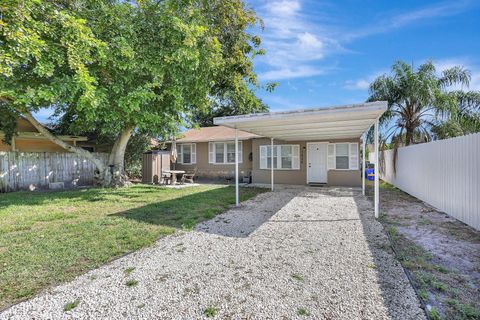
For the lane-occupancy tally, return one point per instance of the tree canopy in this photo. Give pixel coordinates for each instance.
(422, 99)
(119, 67)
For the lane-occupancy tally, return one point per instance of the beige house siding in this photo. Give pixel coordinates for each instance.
(351, 178)
(209, 170)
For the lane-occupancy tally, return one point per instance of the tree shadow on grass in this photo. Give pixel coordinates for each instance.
(188, 210)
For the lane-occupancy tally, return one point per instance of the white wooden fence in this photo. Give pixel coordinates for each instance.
(21, 170)
(444, 174)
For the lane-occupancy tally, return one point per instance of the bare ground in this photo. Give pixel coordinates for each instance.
(441, 253)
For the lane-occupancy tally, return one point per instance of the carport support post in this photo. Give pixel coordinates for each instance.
(363, 164)
(236, 169)
(377, 171)
(271, 160)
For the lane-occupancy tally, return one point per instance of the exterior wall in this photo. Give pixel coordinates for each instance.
(350, 178)
(30, 145)
(209, 170)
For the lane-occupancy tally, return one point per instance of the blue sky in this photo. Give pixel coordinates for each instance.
(327, 52)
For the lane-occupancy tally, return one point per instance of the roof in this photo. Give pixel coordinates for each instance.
(218, 133)
(338, 122)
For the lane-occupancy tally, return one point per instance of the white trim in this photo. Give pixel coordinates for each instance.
(237, 195)
(306, 160)
(329, 157)
(377, 172)
(278, 155)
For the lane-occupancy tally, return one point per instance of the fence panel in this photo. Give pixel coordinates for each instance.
(443, 173)
(28, 170)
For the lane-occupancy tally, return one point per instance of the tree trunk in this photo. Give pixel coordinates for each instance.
(111, 175)
(114, 175)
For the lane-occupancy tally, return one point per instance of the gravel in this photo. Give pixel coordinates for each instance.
(294, 253)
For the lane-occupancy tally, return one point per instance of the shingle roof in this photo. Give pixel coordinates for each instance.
(217, 133)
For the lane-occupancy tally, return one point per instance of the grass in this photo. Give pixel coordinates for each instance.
(131, 283)
(210, 312)
(297, 277)
(48, 238)
(71, 305)
(302, 312)
(448, 293)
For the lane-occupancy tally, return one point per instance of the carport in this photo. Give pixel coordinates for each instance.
(319, 124)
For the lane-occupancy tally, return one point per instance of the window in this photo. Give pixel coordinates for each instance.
(224, 152)
(187, 153)
(284, 157)
(343, 156)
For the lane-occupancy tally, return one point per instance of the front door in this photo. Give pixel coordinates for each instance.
(317, 162)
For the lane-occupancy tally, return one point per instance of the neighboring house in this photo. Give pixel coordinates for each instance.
(211, 151)
(28, 139)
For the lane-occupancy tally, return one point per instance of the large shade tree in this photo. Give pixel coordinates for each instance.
(118, 67)
(421, 98)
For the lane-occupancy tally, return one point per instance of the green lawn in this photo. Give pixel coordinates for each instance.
(51, 237)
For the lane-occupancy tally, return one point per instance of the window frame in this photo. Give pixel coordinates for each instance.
(212, 150)
(193, 153)
(350, 156)
(294, 157)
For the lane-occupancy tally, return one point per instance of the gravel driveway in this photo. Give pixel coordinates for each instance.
(294, 253)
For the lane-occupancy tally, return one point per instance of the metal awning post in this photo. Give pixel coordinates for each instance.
(237, 196)
(363, 163)
(271, 161)
(377, 172)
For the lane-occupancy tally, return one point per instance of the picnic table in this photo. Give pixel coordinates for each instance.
(174, 175)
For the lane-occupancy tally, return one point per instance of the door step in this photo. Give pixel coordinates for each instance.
(317, 184)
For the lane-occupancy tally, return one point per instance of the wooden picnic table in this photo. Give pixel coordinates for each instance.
(174, 175)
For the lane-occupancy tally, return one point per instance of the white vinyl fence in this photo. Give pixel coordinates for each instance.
(22, 170)
(444, 174)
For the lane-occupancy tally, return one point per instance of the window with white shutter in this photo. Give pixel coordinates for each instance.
(211, 152)
(353, 160)
(187, 153)
(342, 156)
(331, 156)
(285, 157)
(224, 152)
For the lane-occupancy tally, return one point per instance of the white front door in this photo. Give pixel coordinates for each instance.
(317, 162)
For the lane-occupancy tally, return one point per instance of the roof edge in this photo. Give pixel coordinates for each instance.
(376, 105)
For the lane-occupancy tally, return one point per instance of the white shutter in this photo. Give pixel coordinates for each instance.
(240, 152)
(179, 153)
(331, 156)
(211, 152)
(296, 157)
(353, 158)
(193, 156)
(263, 157)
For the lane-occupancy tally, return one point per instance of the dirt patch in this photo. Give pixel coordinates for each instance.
(441, 253)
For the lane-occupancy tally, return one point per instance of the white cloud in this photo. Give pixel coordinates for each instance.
(363, 83)
(388, 24)
(301, 71)
(297, 41)
(360, 84)
(293, 43)
(285, 7)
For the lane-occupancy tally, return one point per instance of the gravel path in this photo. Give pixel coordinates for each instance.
(294, 253)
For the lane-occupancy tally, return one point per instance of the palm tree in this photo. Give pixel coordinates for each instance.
(419, 100)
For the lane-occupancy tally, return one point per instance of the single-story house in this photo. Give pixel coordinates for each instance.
(316, 146)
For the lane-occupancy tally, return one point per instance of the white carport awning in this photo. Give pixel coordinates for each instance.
(340, 122)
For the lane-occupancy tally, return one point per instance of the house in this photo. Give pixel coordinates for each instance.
(316, 146)
(28, 139)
